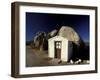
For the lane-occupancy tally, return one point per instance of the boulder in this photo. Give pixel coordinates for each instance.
(40, 41)
(70, 34)
(53, 33)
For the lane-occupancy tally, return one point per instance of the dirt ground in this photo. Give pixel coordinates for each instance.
(40, 58)
(35, 57)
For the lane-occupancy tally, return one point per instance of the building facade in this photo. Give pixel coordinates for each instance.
(59, 47)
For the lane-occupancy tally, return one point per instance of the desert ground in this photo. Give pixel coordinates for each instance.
(40, 58)
(35, 57)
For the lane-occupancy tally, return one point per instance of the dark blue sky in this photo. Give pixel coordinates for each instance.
(36, 22)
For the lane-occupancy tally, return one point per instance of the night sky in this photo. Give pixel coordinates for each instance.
(37, 22)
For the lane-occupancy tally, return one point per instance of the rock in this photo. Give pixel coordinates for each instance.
(78, 61)
(40, 41)
(53, 33)
(85, 61)
(70, 34)
(71, 62)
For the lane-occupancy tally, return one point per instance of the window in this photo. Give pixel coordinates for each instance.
(58, 45)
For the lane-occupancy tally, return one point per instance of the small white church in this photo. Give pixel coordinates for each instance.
(59, 47)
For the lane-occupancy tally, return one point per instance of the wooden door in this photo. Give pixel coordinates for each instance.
(58, 49)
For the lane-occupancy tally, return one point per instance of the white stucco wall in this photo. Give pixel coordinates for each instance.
(51, 48)
(64, 50)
